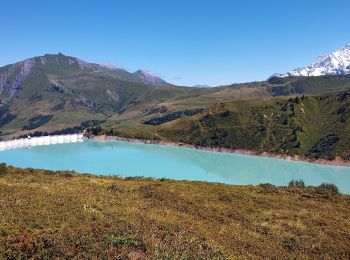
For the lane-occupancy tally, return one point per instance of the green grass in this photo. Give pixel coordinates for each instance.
(47, 214)
(119, 96)
(255, 119)
(311, 126)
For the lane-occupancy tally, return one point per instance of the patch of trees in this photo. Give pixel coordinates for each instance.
(208, 121)
(324, 145)
(92, 126)
(85, 101)
(90, 123)
(5, 116)
(65, 131)
(219, 136)
(6, 119)
(341, 111)
(343, 96)
(226, 113)
(290, 105)
(96, 130)
(172, 116)
(296, 100)
(322, 98)
(55, 88)
(37, 121)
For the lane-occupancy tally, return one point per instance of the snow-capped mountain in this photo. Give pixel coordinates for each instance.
(335, 63)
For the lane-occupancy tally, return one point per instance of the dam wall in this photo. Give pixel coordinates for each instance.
(41, 140)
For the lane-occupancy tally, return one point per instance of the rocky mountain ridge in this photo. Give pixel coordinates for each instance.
(335, 63)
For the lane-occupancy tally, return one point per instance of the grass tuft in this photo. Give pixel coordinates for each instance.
(296, 184)
(3, 169)
(116, 240)
(328, 187)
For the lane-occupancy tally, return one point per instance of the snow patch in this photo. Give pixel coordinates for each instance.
(335, 63)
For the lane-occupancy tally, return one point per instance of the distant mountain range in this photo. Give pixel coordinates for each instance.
(62, 94)
(13, 76)
(201, 86)
(335, 63)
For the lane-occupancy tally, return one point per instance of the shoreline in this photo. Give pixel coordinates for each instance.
(336, 162)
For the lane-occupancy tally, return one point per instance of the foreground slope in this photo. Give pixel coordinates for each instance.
(47, 214)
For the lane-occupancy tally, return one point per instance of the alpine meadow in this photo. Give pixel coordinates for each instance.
(178, 130)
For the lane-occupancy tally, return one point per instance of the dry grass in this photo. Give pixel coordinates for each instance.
(46, 214)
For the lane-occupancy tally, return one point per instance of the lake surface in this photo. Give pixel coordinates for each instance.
(150, 160)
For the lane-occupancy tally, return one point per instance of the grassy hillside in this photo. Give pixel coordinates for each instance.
(61, 94)
(312, 126)
(308, 85)
(47, 214)
(67, 92)
(275, 87)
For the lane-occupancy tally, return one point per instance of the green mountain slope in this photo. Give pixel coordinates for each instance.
(311, 126)
(70, 91)
(52, 93)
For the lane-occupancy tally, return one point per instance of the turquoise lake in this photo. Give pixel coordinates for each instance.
(137, 159)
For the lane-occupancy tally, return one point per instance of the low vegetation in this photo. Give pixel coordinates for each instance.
(59, 94)
(307, 126)
(37, 121)
(328, 187)
(47, 214)
(172, 116)
(296, 183)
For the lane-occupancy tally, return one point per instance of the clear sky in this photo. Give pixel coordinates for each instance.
(186, 42)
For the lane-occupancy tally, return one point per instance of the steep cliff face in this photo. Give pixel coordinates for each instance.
(12, 76)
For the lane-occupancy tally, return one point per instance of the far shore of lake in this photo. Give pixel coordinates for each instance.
(336, 162)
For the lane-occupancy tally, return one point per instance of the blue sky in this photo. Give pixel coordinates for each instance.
(185, 42)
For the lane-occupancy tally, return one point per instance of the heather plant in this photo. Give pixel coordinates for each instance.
(296, 184)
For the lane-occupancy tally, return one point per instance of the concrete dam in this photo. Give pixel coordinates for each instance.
(41, 140)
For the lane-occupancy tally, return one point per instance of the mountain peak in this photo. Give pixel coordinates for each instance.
(150, 77)
(59, 65)
(335, 63)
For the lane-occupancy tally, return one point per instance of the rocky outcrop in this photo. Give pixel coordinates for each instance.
(25, 69)
(5, 77)
(335, 63)
(13, 77)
